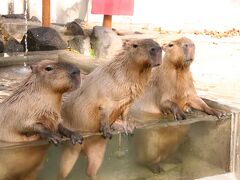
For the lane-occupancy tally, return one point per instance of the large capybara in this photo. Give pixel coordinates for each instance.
(104, 95)
(31, 113)
(170, 89)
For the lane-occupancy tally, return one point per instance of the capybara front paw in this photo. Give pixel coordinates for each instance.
(127, 126)
(106, 132)
(218, 113)
(75, 138)
(187, 109)
(55, 139)
(179, 115)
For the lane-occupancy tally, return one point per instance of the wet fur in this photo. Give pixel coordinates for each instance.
(105, 94)
(34, 103)
(172, 81)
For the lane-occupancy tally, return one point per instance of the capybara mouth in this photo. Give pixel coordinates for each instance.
(76, 81)
(188, 61)
(155, 65)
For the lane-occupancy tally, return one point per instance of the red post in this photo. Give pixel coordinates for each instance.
(107, 21)
(46, 13)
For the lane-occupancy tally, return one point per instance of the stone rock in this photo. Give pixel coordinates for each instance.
(43, 39)
(15, 28)
(81, 44)
(105, 42)
(34, 19)
(12, 45)
(14, 16)
(74, 28)
(1, 46)
(79, 21)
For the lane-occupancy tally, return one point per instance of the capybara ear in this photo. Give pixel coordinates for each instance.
(164, 47)
(33, 68)
(126, 43)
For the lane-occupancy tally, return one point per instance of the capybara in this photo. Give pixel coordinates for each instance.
(105, 95)
(31, 113)
(170, 89)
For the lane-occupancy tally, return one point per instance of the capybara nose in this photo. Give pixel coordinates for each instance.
(74, 72)
(154, 49)
(156, 52)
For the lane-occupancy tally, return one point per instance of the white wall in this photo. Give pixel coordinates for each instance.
(18, 6)
(184, 14)
(169, 14)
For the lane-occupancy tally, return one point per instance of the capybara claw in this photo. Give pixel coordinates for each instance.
(179, 116)
(76, 138)
(219, 114)
(106, 132)
(107, 135)
(55, 139)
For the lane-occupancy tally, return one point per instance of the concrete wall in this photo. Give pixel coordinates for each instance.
(170, 14)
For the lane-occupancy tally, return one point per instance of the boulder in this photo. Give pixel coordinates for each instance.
(15, 28)
(34, 19)
(74, 28)
(105, 42)
(14, 16)
(1, 46)
(81, 44)
(43, 39)
(12, 45)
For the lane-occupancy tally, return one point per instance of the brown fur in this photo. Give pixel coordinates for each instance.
(170, 89)
(105, 95)
(34, 107)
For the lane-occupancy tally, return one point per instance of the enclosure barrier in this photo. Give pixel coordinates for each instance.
(136, 115)
(87, 64)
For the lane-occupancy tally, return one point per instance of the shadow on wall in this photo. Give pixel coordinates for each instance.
(69, 10)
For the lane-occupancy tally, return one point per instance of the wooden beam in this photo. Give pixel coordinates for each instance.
(46, 13)
(107, 21)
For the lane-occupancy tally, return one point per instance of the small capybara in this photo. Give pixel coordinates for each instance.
(170, 89)
(105, 95)
(31, 113)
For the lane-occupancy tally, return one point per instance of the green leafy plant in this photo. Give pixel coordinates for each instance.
(92, 53)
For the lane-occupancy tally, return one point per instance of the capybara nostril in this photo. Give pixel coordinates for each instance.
(72, 70)
(75, 72)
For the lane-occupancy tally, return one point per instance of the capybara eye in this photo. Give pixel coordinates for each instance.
(135, 45)
(49, 68)
(152, 49)
(170, 45)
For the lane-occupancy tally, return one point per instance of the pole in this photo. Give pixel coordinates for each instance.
(46, 13)
(107, 21)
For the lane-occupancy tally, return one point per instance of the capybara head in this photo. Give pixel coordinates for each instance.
(144, 52)
(56, 76)
(180, 52)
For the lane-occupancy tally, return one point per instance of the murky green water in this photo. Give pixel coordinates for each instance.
(204, 152)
